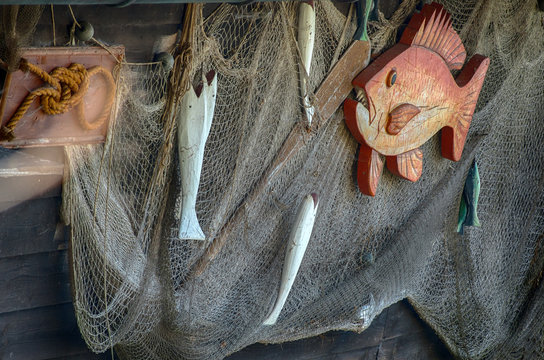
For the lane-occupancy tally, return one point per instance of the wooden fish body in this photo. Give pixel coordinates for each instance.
(298, 241)
(194, 122)
(306, 39)
(410, 95)
(468, 209)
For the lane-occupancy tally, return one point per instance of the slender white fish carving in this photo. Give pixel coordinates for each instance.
(194, 122)
(298, 241)
(306, 38)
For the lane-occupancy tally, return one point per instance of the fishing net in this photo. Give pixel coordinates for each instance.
(16, 29)
(153, 296)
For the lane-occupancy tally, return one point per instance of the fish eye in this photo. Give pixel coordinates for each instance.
(391, 78)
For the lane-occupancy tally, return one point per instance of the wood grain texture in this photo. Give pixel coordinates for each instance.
(21, 188)
(432, 29)
(411, 95)
(397, 333)
(31, 227)
(35, 280)
(41, 333)
(400, 116)
(137, 27)
(337, 85)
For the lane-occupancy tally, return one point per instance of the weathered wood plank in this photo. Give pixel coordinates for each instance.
(30, 163)
(87, 355)
(21, 188)
(397, 333)
(406, 336)
(413, 346)
(360, 354)
(137, 39)
(31, 227)
(136, 27)
(119, 17)
(41, 333)
(325, 346)
(35, 280)
(401, 320)
(64, 344)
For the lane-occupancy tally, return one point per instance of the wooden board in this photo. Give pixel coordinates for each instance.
(31, 227)
(36, 280)
(39, 129)
(397, 333)
(14, 190)
(337, 85)
(42, 333)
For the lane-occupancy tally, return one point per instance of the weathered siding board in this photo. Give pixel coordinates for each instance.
(37, 319)
(21, 188)
(35, 280)
(31, 227)
(397, 333)
(41, 333)
(136, 27)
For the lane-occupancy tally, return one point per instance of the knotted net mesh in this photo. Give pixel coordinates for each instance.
(153, 296)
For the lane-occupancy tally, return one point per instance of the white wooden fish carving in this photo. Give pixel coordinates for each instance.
(194, 122)
(306, 39)
(298, 241)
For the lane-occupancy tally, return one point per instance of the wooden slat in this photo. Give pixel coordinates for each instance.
(31, 162)
(413, 346)
(397, 333)
(21, 188)
(406, 336)
(103, 15)
(87, 355)
(136, 27)
(360, 354)
(401, 320)
(325, 346)
(31, 227)
(41, 333)
(35, 280)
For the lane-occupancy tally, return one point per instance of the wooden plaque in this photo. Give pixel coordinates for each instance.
(39, 129)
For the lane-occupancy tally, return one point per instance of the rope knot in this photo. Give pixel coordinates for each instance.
(65, 89)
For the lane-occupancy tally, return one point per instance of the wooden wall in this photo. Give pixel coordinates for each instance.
(36, 314)
(37, 318)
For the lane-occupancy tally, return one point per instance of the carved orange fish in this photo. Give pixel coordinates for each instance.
(410, 95)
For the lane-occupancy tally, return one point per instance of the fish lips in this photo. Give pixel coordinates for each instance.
(364, 118)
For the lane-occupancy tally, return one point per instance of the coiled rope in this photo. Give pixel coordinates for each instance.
(65, 90)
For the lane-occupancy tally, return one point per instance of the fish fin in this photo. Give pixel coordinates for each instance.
(470, 80)
(400, 116)
(432, 29)
(369, 170)
(408, 165)
(462, 215)
(189, 228)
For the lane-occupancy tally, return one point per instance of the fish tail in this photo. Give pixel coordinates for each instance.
(472, 217)
(189, 227)
(470, 80)
(462, 215)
